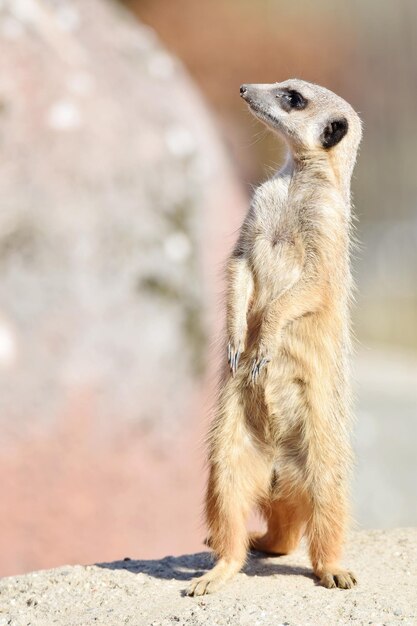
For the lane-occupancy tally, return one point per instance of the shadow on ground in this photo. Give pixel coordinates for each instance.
(188, 566)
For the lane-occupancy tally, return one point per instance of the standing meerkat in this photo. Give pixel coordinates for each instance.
(280, 440)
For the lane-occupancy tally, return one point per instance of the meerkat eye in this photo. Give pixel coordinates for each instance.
(292, 99)
(296, 100)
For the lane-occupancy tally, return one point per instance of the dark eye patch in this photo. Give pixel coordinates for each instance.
(292, 100)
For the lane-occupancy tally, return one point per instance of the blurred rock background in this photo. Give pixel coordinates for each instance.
(128, 160)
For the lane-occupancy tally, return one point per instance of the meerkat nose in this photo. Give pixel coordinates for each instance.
(243, 90)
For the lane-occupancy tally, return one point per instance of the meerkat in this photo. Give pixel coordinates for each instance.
(280, 439)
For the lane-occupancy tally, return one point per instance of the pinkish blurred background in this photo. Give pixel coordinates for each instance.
(128, 161)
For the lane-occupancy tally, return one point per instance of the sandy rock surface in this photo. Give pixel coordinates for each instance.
(271, 591)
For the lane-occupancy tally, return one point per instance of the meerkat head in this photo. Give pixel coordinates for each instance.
(310, 118)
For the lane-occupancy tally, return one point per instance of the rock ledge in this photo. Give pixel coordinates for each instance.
(271, 591)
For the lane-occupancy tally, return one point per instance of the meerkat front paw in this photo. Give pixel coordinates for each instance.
(260, 361)
(234, 351)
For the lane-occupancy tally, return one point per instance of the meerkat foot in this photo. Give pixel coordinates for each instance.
(203, 585)
(341, 579)
(258, 541)
(261, 542)
(214, 579)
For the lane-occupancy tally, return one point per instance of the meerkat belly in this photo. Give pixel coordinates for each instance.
(287, 390)
(305, 371)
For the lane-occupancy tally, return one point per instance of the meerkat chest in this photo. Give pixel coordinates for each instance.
(271, 223)
(274, 253)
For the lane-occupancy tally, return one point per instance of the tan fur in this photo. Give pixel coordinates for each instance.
(280, 437)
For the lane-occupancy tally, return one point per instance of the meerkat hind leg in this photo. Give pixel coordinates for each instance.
(325, 531)
(239, 477)
(229, 501)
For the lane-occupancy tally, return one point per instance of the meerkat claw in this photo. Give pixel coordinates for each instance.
(233, 357)
(257, 367)
(230, 355)
(254, 372)
(236, 361)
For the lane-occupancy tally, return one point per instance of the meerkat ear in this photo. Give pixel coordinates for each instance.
(333, 132)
